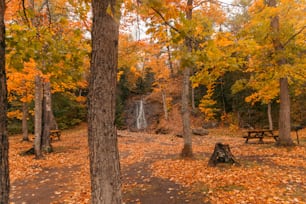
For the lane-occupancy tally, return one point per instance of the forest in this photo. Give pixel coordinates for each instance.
(129, 99)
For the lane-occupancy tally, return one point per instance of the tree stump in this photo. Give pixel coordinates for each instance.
(222, 154)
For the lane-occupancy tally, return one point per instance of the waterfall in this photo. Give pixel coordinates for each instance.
(141, 122)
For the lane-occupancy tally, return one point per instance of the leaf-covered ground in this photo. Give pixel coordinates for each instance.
(153, 172)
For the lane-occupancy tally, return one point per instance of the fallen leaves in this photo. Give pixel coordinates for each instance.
(268, 174)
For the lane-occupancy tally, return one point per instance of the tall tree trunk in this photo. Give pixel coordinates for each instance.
(187, 149)
(38, 116)
(47, 112)
(170, 62)
(102, 135)
(192, 99)
(269, 112)
(25, 115)
(164, 98)
(53, 123)
(284, 113)
(4, 145)
(192, 93)
(223, 97)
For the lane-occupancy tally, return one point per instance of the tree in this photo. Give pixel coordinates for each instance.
(187, 149)
(47, 118)
(38, 116)
(43, 33)
(284, 113)
(186, 35)
(102, 135)
(275, 32)
(20, 85)
(4, 165)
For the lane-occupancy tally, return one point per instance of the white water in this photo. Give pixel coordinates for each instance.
(141, 122)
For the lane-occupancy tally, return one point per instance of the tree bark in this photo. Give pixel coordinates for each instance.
(192, 99)
(4, 145)
(284, 112)
(187, 149)
(38, 116)
(164, 99)
(53, 124)
(269, 112)
(46, 124)
(102, 135)
(222, 154)
(25, 115)
(170, 62)
(284, 138)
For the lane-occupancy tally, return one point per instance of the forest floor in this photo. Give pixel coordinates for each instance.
(153, 172)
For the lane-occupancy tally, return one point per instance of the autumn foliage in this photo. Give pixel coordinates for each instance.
(237, 53)
(267, 174)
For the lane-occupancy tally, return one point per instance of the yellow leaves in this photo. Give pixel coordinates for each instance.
(239, 85)
(266, 88)
(225, 40)
(119, 74)
(207, 104)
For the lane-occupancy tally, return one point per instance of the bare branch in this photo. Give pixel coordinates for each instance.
(25, 13)
(49, 13)
(165, 21)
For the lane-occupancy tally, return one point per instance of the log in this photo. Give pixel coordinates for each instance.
(222, 154)
(200, 131)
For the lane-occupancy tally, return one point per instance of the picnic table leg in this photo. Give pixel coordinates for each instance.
(297, 137)
(247, 138)
(261, 138)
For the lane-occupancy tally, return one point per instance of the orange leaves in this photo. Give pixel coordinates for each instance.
(268, 174)
(12, 8)
(15, 114)
(21, 83)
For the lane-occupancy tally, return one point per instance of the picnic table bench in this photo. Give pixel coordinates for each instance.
(54, 134)
(259, 134)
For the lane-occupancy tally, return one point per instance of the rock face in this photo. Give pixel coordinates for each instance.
(153, 110)
(200, 131)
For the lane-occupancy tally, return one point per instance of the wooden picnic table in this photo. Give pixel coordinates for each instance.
(260, 134)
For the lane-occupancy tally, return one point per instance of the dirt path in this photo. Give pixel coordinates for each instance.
(51, 183)
(44, 188)
(153, 173)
